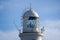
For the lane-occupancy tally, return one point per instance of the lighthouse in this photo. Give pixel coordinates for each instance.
(31, 29)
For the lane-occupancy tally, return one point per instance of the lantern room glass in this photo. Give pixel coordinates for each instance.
(32, 22)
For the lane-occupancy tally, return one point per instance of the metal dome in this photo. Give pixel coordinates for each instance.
(31, 13)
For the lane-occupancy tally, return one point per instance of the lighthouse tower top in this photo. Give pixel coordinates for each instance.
(31, 13)
(31, 30)
(30, 21)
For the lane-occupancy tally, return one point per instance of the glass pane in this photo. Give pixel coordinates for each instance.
(31, 23)
(32, 18)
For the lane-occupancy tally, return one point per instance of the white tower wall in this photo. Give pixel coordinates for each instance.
(31, 36)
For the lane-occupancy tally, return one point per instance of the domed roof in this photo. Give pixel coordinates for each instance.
(31, 13)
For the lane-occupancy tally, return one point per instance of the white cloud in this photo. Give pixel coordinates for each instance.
(51, 34)
(51, 24)
(52, 29)
(11, 35)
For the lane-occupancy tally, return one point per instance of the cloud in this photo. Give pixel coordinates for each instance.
(52, 29)
(51, 23)
(10, 35)
(51, 34)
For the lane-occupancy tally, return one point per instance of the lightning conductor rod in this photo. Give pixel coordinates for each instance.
(30, 6)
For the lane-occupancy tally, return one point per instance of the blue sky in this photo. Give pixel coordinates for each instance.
(12, 10)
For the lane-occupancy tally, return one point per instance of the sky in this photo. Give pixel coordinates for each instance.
(11, 12)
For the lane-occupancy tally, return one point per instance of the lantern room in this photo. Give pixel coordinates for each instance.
(30, 21)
